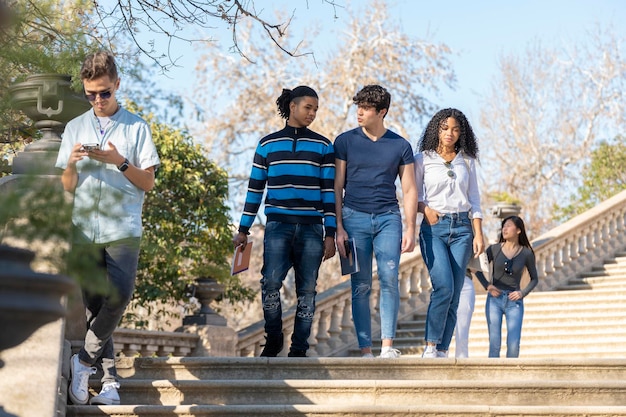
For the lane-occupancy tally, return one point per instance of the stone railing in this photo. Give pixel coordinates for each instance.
(565, 251)
(148, 343)
(581, 243)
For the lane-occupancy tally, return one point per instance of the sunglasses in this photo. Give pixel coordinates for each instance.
(103, 95)
(450, 171)
(507, 268)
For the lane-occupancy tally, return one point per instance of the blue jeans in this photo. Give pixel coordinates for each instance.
(379, 235)
(287, 245)
(446, 248)
(104, 311)
(495, 308)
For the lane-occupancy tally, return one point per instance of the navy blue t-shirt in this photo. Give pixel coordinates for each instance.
(371, 169)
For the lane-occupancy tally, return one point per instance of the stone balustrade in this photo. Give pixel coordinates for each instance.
(569, 249)
(146, 343)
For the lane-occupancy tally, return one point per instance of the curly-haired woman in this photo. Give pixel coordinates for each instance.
(451, 230)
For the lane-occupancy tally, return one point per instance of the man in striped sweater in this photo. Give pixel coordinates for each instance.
(297, 166)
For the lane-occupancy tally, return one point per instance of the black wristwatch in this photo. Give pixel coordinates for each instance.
(124, 165)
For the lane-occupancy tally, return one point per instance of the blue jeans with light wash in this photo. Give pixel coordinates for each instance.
(495, 308)
(377, 235)
(288, 245)
(446, 248)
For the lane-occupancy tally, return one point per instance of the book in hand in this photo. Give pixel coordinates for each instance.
(241, 259)
(349, 264)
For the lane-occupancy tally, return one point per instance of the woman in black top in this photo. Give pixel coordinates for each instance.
(509, 257)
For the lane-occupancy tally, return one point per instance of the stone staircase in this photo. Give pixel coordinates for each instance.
(572, 363)
(407, 386)
(584, 318)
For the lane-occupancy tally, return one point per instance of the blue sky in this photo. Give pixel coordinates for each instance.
(479, 31)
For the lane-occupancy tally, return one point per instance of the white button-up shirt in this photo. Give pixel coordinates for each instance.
(444, 193)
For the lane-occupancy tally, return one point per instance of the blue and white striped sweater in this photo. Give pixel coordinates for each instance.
(297, 166)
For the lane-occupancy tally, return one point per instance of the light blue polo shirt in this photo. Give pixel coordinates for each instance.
(107, 206)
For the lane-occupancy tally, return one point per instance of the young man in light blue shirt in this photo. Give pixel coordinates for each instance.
(109, 161)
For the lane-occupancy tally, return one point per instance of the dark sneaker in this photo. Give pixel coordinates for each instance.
(294, 353)
(273, 345)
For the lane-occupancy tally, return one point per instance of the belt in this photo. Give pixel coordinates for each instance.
(455, 216)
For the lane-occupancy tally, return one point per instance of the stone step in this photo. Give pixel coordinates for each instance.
(404, 368)
(596, 285)
(571, 320)
(351, 410)
(534, 349)
(374, 392)
(531, 335)
(615, 271)
(592, 314)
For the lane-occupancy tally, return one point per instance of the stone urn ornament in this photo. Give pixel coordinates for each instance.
(49, 101)
(504, 210)
(205, 290)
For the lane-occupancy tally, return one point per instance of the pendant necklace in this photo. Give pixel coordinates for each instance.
(107, 121)
(102, 127)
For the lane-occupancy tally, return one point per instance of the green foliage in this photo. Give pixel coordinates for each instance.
(603, 177)
(49, 36)
(36, 214)
(39, 36)
(504, 197)
(187, 228)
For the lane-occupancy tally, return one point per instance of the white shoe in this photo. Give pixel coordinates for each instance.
(108, 395)
(79, 381)
(442, 353)
(368, 355)
(389, 352)
(430, 352)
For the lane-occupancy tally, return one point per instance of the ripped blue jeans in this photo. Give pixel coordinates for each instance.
(288, 245)
(377, 235)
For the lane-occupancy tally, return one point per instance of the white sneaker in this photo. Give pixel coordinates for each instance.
(79, 381)
(108, 395)
(367, 355)
(430, 352)
(389, 352)
(442, 353)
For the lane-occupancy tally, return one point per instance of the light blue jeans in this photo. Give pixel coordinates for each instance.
(446, 248)
(495, 308)
(377, 235)
(288, 245)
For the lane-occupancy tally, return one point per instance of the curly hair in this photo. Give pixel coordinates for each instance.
(429, 141)
(295, 95)
(98, 65)
(374, 96)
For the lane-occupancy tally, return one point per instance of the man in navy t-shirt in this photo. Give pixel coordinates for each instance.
(368, 159)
